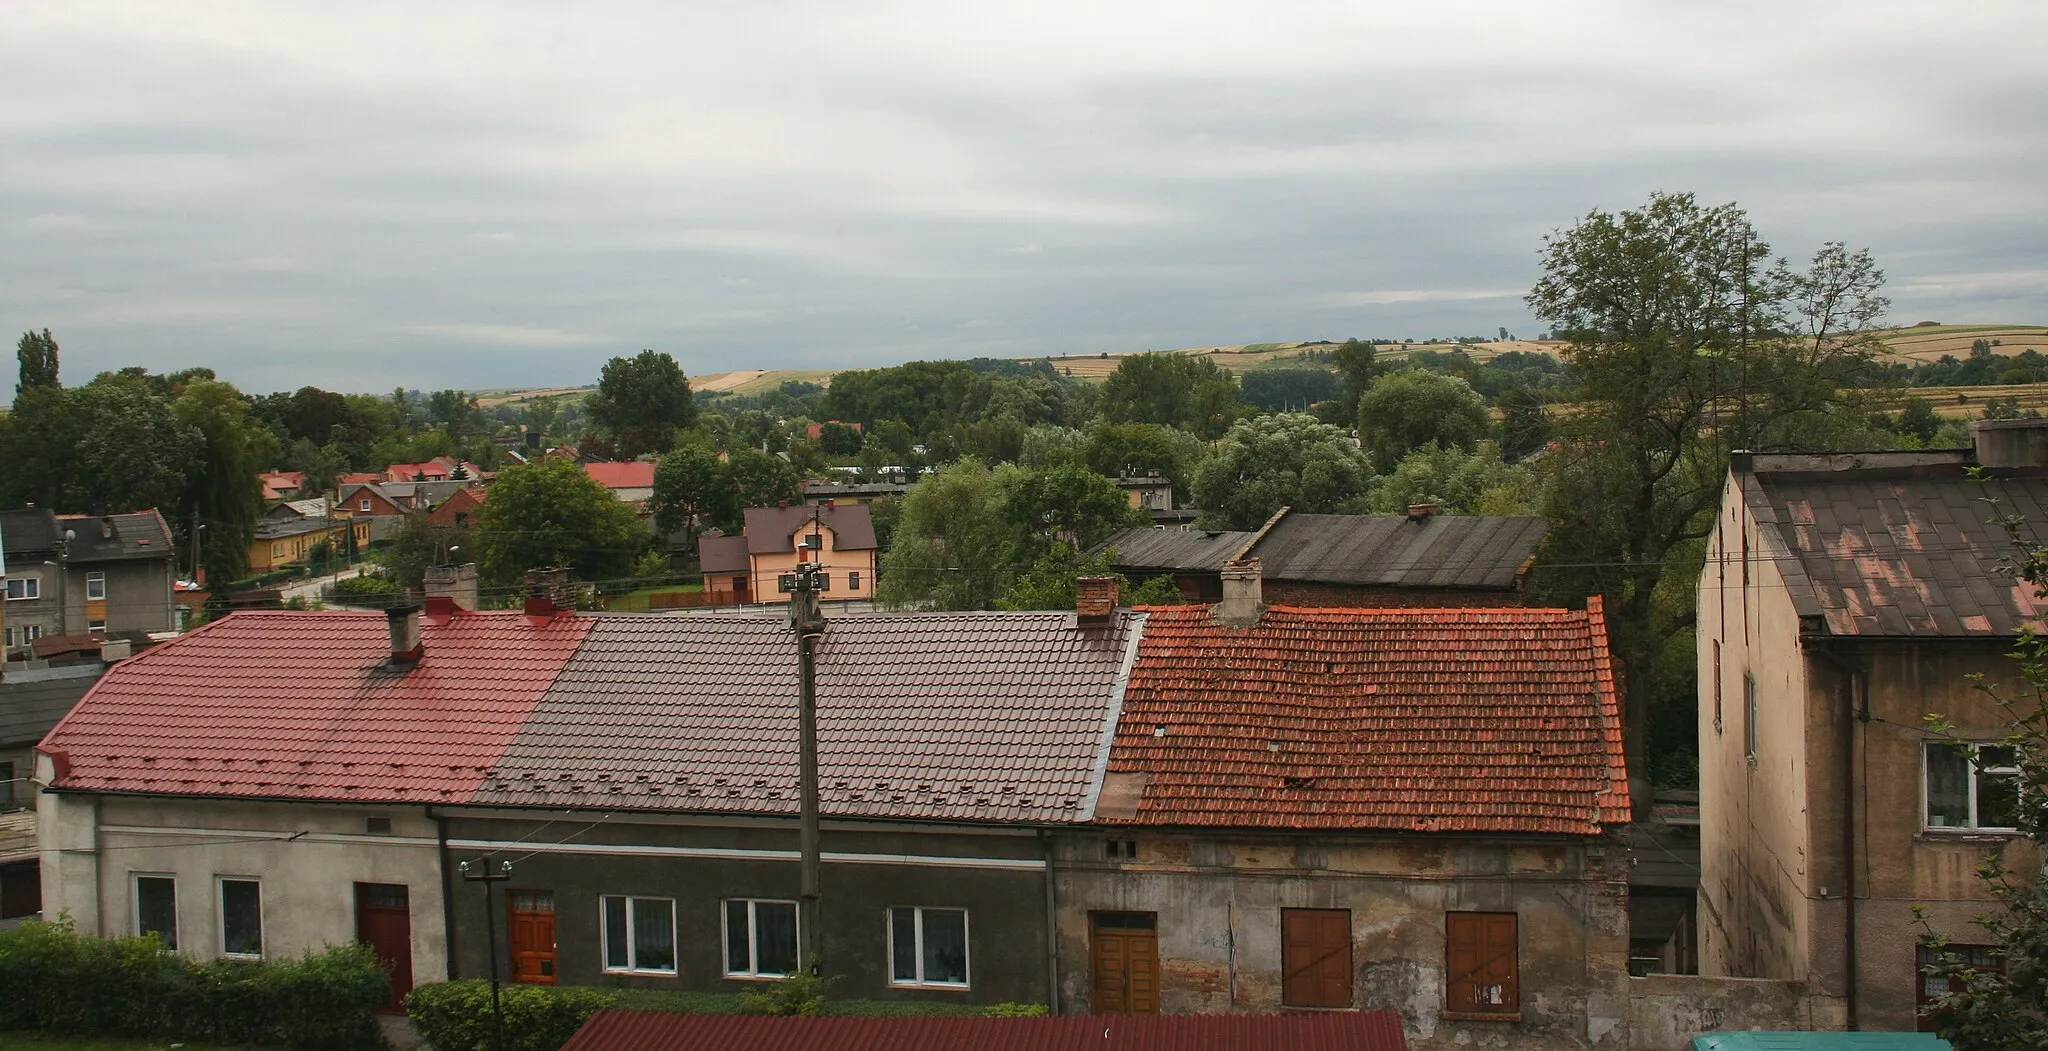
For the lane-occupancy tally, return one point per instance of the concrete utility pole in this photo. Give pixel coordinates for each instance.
(808, 622)
(480, 871)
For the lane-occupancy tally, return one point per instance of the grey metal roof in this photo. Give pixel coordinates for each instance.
(957, 716)
(1436, 551)
(1144, 547)
(278, 528)
(139, 535)
(1899, 551)
(28, 530)
(32, 700)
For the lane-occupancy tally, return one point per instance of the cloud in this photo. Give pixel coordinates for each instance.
(1421, 295)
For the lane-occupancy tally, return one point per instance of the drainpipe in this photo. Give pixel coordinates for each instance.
(447, 891)
(1855, 708)
(1052, 931)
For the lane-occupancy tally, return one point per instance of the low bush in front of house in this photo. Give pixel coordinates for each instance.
(56, 980)
(456, 1016)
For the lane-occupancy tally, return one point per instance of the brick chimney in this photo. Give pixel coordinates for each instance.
(453, 582)
(2010, 443)
(1094, 598)
(1243, 594)
(1418, 512)
(406, 647)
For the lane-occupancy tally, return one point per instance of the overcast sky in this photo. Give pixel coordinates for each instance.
(370, 195)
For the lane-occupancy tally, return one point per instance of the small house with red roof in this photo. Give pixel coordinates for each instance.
(630, 482)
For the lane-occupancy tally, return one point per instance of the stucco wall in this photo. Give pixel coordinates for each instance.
(1218, 905)
(308, 882)
(1665, 1011)
(767, 567)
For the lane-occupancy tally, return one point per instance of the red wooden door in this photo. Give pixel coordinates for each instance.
(532, 927)
(384, 923)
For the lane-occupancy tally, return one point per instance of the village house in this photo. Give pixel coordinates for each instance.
(34, 695)
(438, 469)
(281, 485)
(459, 509)
(1351, 809)
(631, 482)
(1847, 598)
(385, 504)
(279, 542)
(1361, 561)
(840, 538)
(1147, 492)
(84, 574)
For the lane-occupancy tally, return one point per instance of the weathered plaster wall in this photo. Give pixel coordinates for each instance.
(308, 883)
(1218, 904)
(1665, 1011)
(1754, 878)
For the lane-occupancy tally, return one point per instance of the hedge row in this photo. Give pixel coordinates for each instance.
(58, 981)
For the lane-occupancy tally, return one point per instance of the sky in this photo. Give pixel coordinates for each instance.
(367, 195)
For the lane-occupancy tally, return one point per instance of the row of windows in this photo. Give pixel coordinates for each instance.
(23, 635)
(240, 912)
(927, 946)
(1482, 970)
(25, 588)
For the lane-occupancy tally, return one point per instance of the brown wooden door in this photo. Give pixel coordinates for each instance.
(532, 927)
(384, 923)
(1126, 949)
(1315, 957)
(1481, 954)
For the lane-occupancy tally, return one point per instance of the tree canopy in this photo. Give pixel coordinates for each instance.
(1270, 462)
(643, 401)
(1177, 390)
(550, 514)
(1406, 410)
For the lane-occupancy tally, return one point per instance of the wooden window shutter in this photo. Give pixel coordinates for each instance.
(1480, 958)
(1315, 957)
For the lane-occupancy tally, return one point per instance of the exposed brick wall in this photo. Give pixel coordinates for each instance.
(1315, 594)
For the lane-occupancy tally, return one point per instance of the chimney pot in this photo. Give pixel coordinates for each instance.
(404, 622)
(1418, 512)
(457, 584)
(2010, 443)
(1243, 594)
(1094, 597)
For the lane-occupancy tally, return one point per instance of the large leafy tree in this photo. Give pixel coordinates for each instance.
(37, 353)
(130, 452)
(1458, 482)
(1066, 506)
(1138, 449)
(222, 490)
(1178, 390)
(691, 487)
(759, 480)
(1270, 462)
(1359, 365)
(1406, 410)
(1689, 339)
(643, 401)
(549, 513)
(952, 542)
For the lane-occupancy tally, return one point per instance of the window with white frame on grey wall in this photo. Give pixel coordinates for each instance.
(928, 946)
(241, 916)
(21, 589)
(760, 938)
(639, 934)
(156, 907)
(1971, 786)
(96, 586)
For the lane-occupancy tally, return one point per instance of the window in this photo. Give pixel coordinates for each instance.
(1983, 959)
(96, 627)
(928, 947)
(1717, 685)
(276, 550)
(363, 504)
(156, 908)
(241, 917)
(96, 586)
(1315, 957)
(1749, 717)
(1966, 790)
(21, 588)
(853, 581)
(1120, 848)
(1481, 956)
(640, 935)
(760, 938)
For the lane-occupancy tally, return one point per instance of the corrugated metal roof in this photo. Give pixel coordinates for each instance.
(33, 699)
(960, 716)
(769, 529)
(1899, 552)
(29, 530)
(1479, 720)
(1437, 551)
(1145, 547)
(654, 1031)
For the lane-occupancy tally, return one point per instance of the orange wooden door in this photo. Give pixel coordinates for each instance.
(532, 934)
(1126, 950)
(384, 923)
(1315, 954)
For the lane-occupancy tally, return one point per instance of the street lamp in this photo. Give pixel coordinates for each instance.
(480, 871)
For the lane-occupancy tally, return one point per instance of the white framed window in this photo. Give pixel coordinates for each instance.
(928, 947)
(276, 550)
(639, 934)
(96, 586)
(156, 906)
(363, 504)
(760, 938)
(853, 580)
(21, 589)
(1972, 787)
(241, 916)
(26, 634)
(96, 627)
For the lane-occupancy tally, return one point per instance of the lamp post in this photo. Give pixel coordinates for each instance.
(480, 871)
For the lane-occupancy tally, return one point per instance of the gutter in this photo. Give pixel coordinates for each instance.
(1855, 709)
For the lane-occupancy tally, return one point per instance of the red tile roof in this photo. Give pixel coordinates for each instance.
(303, 706)
(634, 474)
(662, 1031)
(1467, 720)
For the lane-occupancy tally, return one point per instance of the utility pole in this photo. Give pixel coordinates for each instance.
(808, 622)
(479, 871)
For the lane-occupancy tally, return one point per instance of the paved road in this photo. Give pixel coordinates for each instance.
(309, 588)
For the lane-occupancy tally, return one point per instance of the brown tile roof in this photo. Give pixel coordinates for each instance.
(769, 528)
(1868, 549)
(1471, 720)
(957, 716)
(722, 554)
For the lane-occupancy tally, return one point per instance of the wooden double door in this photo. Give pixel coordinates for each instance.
(1125, 951)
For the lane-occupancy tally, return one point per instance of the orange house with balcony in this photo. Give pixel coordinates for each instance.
(745, 568)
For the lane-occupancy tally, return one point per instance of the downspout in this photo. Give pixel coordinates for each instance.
(447, 891)
(1855, 708)
(1052, 931)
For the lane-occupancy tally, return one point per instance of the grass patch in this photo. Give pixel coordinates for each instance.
(636, 601)
(53, 1042)
(683, 1002)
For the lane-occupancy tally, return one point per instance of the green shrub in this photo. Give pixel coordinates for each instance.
(365, 586)
(1013, 1010)
(800, 995)
(59, 981)
(456, 1016)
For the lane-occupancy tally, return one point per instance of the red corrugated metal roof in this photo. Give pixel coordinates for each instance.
(651, 1031)
(305, 706)
(1480, 720)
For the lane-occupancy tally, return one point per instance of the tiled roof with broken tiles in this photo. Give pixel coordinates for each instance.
(960, 716)
(1475, 720)
(1899, 553)
(304, 705)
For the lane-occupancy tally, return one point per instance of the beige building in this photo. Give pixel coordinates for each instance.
(1846, 599)
(746, 568)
